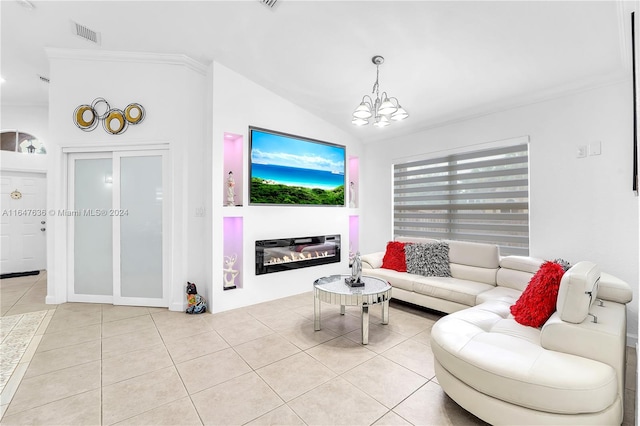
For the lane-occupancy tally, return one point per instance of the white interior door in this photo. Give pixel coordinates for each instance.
(23, 222)
(118, 224)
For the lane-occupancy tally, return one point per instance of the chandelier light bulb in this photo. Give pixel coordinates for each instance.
(382, 108)
(400, 114)
(362, 111)
(381, 121)
(387, 107)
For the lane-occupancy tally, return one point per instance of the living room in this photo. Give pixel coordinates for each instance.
(581, 208)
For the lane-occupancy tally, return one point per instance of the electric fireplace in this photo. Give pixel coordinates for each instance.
(284, 254)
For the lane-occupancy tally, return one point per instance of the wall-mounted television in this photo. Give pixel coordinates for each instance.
(294, 170)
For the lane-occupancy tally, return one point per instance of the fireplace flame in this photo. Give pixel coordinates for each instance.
(297, 257)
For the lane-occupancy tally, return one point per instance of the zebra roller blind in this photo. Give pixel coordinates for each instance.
(478, 196)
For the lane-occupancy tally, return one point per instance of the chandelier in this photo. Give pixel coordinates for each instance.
(383, 109)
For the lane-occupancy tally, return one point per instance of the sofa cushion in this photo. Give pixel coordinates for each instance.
(614, 289)
(403, 280)
(505, 294)
(474, 254)
(473, 261)
(488, 351)
(578, 290)
(473, 273)
(431, 259)
(516, 280)
(394, 257)
(521, 263)
(372, 260)
(516, 271)
(452, 289)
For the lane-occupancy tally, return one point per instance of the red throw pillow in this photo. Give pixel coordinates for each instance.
(538, 301)
(394, 258)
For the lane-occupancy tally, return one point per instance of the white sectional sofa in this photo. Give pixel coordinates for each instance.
(569, 371)
(474, 270)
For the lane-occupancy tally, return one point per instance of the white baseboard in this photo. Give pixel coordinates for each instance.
(178, 307)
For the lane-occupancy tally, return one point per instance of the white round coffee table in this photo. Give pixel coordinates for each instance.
(334, 290)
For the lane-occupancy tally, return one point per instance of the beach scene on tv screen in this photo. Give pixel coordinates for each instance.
(290, 170)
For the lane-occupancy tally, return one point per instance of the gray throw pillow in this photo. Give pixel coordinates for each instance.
(428, 259)
(414, 255)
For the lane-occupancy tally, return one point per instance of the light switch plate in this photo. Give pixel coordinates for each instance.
(595, 148)
(582, 151)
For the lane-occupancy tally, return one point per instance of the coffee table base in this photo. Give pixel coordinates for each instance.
(364, 317)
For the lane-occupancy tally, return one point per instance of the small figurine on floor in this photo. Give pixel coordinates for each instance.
(196, 304)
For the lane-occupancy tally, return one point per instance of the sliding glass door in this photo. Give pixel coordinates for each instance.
(118, 223)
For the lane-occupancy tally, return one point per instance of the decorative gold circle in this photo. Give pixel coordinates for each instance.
(133, 108)
(16, 195)
(117, 115)
(80, 116)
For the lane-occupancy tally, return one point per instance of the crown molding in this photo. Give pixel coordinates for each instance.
(541, 96)
(509, 104)
(115, 56)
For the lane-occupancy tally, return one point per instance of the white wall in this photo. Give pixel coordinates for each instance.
(172, 89)
(32, 119)
(237, 104)
(580, 208)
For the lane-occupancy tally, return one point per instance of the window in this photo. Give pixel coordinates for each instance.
(478, 196)
(15, 141)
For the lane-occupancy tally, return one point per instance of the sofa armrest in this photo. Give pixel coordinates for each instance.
(614, 289)
(604, 340)
(588, 338)
(372, 260)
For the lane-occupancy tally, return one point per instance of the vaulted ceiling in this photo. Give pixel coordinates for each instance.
(444, 60)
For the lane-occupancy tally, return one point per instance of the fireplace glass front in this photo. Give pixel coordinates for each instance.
(292, 253)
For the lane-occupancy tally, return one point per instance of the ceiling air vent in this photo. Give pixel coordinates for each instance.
(85, 33)
(26, 4)
(270, 3)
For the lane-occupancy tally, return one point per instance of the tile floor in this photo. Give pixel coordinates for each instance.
(91, 364)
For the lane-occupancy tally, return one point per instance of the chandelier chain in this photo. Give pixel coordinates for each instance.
(380, 110)
(376, 86)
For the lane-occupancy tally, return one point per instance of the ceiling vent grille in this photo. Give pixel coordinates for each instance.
(269, 3)
(26, 4)
(85, 33)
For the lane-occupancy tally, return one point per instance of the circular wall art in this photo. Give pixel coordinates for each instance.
(85, 118)
(134, 113)
(100, 107)
(114, 120)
